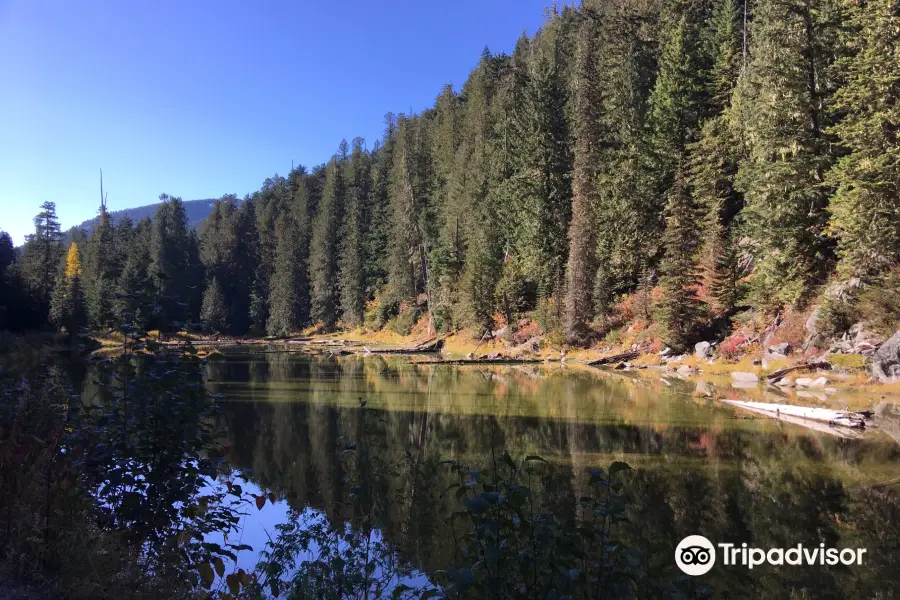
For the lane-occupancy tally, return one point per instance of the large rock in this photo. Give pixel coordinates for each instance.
(818, 382)
(886, 360)
(702, 349)
(687, 370)
(745, 377)
(784, 348)
(865, 340)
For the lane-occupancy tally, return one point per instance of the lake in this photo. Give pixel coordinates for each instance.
(296, 427)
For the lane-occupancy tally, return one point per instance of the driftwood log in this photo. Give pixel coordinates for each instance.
(614, 358)
(432, 345)
(817, 364)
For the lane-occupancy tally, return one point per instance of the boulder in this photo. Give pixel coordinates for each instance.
(703, 389)
(820, 382)
(784, 348)
(687, 370)
(744, 376)
(665, 351)
(886, 360)
(865, 341)
(809, 382)
(702, 349)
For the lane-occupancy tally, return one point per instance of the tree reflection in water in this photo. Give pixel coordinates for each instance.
(393, 514)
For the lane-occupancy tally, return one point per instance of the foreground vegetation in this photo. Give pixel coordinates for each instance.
(109, 489)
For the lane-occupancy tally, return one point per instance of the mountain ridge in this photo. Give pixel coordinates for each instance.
(196, 211)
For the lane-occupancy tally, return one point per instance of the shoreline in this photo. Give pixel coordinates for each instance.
(827, 375)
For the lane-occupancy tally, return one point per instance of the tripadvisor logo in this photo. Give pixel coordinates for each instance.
(696, 555)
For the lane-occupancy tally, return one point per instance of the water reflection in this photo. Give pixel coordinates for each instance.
(699, 469)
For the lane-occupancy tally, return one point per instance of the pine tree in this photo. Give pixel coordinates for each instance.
(67, 308)
(787, 109)
(214, 313)
(481, 263)
(714, 161)
(351, 279)
(324, 245)
(101, 271)
(408, 255)
(246, 274)
(543, 182)
(865, 211)
(678, 280)
(41, 255)
(589, 140)
(175, 269)
(136, 294)
(288, 289)
(628, 211)
(377, 211)
(676, 102)
(15, 313)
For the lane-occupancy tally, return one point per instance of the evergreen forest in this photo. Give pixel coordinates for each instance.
(682, 160)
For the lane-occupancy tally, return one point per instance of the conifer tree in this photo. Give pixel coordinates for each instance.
(787, 110)
(15, 312)
(214, 312)
(679, 304)
(628, 212)
(481, 263)
(377, 211)
(544, 189)
(865, 210)
(288, 281)
(408, 255)
(324, 244)
(246, 273)
(41, 256)
(352, 282)
(175, 269)
(135, 285)
(714, 161)
(67, 309)
(676, 102)
(589, 140)
(101, 271)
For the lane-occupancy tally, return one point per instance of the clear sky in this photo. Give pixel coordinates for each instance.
(199, 98)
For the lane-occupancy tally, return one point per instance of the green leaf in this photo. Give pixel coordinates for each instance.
(206, 574)
(398, 591)
(219, 565)
(233, 583)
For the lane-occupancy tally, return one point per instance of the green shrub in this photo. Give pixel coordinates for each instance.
(403, 323)
(879, 304)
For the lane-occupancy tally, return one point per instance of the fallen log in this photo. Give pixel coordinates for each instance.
(433, 345)
(816, 364)
(485, 361)
(845, 418)
(614, 358)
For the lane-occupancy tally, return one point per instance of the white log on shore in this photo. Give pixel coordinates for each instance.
(843, 418)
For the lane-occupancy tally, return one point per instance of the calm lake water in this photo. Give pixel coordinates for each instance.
(701, 467)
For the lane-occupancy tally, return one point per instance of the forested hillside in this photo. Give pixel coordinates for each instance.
(195, 210)
(666, 162)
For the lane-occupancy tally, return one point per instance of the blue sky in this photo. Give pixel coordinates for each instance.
(198, 98)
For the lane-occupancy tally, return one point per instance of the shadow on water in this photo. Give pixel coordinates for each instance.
(698, 470)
